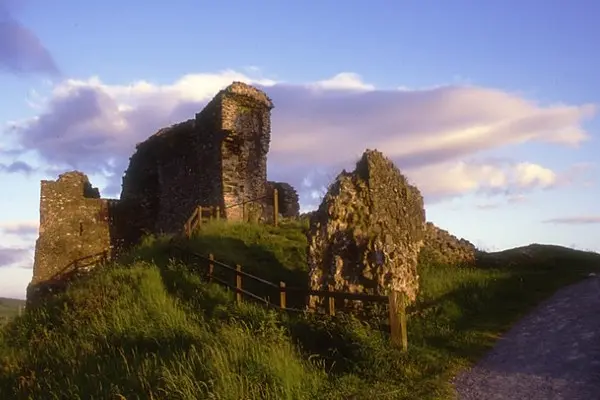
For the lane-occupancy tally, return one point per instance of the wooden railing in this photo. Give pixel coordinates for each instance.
(195, 220)
(82, 262)
(396, 303)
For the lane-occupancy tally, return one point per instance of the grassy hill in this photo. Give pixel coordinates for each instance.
(149, 327)
(9, 308)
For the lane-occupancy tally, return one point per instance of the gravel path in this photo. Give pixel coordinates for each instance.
(553, 353)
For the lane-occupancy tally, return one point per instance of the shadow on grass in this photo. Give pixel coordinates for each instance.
(255, 259)
(468, 320)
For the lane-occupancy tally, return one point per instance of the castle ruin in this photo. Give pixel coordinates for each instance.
(217, 159)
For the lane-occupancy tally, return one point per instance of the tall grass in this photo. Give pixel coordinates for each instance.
(148, 327)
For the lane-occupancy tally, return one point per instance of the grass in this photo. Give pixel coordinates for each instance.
(9, 308)
(149, 328)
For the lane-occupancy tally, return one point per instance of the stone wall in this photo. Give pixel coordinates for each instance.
(288, 201)
(171, 173)
(444, 248)
(74, 223)
(366, 235)
(218, 159)
(246, 122)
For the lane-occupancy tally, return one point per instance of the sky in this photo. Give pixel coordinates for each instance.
(490, 108)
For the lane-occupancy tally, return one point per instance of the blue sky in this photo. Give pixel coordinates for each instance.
(489, 107)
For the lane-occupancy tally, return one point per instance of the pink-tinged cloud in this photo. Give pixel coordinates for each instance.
(575, 220)
(20, 228)
(318, 128)
(16, 166)
(10, 256)
(21, 51)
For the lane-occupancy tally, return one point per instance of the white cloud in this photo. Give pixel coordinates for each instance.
(456, 178)
(320, 126)
(575, 220)
(528, 174)
(343, 81)
(13, 281)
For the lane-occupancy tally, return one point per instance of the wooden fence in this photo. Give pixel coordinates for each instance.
(202, 213)
(82, 263)
(395, 301)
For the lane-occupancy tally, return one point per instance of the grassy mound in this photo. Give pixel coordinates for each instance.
(148, 327)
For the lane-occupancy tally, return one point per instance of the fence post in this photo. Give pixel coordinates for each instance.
(244, 212)
(199, 215)
(330, 301)
(238, 283)
(218, 210)
(275, 207)
(282, 295)
(397, 306)
(211, 267)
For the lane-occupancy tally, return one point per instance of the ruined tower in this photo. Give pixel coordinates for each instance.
(74, 223)
(217, 159)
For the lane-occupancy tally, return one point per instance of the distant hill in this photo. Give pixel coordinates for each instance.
(541, 255)
(9, 307)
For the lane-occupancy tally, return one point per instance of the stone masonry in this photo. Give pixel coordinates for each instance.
(217, 159)
(74, 223)
(367, 233)
(442, 247)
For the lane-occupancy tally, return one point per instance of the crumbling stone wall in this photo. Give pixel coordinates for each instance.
(246, 121)
(288, 201)
(217, 159)
(366, 235)
(74, 223)
(444, 248)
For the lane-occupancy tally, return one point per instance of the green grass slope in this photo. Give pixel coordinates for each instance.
(9, 308)
(150, 328)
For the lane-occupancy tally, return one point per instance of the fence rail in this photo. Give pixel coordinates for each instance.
(195, 220)
(395, 300)
(82, 262)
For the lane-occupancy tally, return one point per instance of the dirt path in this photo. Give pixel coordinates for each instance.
(553, 353)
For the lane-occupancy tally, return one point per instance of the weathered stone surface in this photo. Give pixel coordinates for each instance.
(289, 205)
(444, 248)
(218, 159)
(74, 223)
(366, 235)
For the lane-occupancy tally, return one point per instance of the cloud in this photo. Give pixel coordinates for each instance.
(343, 81)
(488, 206)
(93, 126)
(17, 166)
(21, 51)
(576, 220)
(13, 281)
(20, 228)
(491, 177)
(10, 256)
(517, 198)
